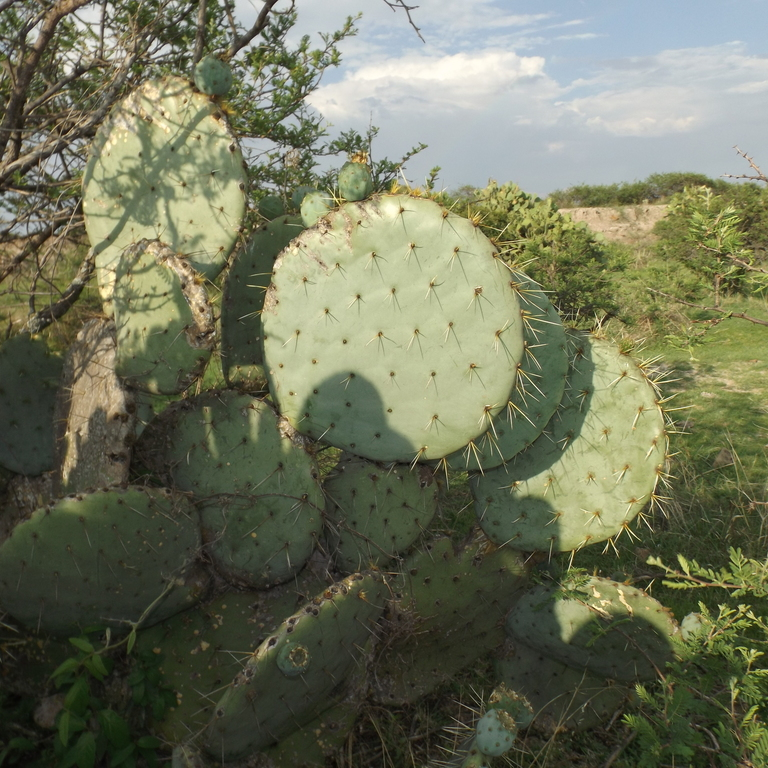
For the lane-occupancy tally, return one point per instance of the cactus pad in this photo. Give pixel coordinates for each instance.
(376, 511)
(213, 76)
(263, 704)
(612, 629)
(561, 696)
(448, 611)
(204, 649)
(355, 181)
(259, 495)
(247, 280)
(392, 330)
(164, 165)
(107, 557)
(164, 323)
(29, 378)
(538, 388)
(593, 468)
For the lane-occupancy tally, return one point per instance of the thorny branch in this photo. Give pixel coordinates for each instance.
(400, 4)
(759, 175)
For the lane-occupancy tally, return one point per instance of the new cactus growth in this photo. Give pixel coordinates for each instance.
(213, 76)
(355, 180)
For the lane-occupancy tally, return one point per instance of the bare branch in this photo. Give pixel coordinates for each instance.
(42, 319)
(5, 4)
(400, 4)
(26, 70)
(760, 176)
(200, 36)
(261, 22)
(726, 312)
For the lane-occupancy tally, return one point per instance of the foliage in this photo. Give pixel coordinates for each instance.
(657, 188)
(710, 708)
(96, 722)
(563, 255)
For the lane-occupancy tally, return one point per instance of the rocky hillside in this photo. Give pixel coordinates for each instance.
(630, 225)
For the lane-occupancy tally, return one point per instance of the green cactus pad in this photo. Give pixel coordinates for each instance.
(95, 415)
(202, 650)
(259, 495)
(493, 737)
(271, 207)
(213, 76)
(562, 697)
(109, 558)
(392, 330)
(315, 205)
(376, 511)
(594, 467)
(164, 323)
(298, 195)
(355, 181)
(611, 629)
(164, 165)
(538, 388)
(262, 705)
(247, 280)
(29, 378)
(448, 611)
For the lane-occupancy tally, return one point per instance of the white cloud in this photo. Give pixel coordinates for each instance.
(453, 83)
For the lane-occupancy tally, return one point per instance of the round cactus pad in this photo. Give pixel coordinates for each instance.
(164, 165)
(392, 330)
(268, 700)
(612, 629)
(375, 511)
(108, 557)
(593, 468)
(259, 495)
(29, 378)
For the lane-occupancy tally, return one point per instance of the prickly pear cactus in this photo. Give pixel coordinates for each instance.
(594, 467)
(29, 376)
(164, 165)
(163, 320)
(562, 696)
(612, 629)
(355, 180)
(538, 389)
(213, 76)
(448, 611)
(202, 650)
(376, 511)
(247, 280)
(392, 330)
(273, 696)
(115, 557)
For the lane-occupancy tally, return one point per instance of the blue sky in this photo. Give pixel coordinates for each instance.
(555, 93)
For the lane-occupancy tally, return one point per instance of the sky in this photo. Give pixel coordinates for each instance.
(554, 93)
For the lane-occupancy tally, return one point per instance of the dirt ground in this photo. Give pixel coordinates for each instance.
(630, 225)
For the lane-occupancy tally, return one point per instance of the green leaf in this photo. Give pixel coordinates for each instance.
(78, 697)
(148, 742)
(115, 728)
(96, 666)
(85, 750)
(124, 756)
(131, 641)
(67, 666)
(82, 644)
(65, 718)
